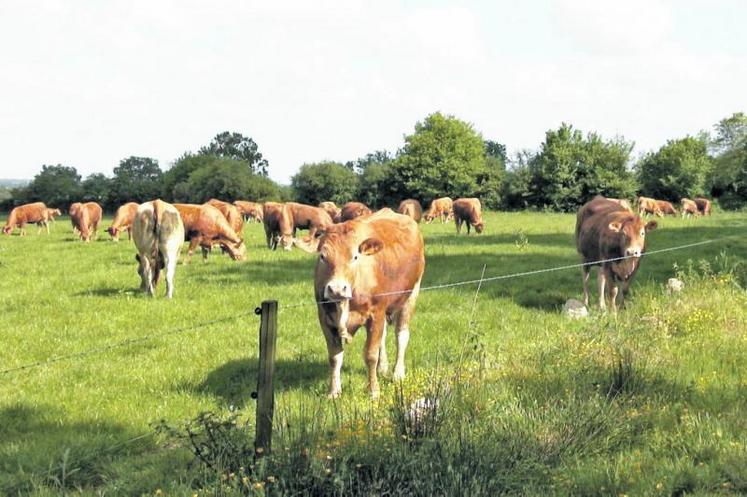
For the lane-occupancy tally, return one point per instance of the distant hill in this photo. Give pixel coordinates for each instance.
(12, 183)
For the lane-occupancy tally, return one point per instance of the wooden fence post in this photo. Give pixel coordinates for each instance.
(265, 388)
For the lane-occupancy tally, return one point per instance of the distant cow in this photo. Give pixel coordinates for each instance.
(205, 226)
(331, 209)
(441, 208)
(468, 211)
(411, 208)
(689, 207)
(307, 217)
(648, 205)
(123, 219)
(368, 272)
(53, 213)
(231, 212)
(250, 210)
(704, 205)
(85, 219)
(36, 213)
(278, 221)
(666, 208)
(621, 202)
(605, 230)
(351, 210)
(159, 235)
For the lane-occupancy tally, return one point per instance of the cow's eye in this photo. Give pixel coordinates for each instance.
(321, 257)
(355, 257)
(643, 232)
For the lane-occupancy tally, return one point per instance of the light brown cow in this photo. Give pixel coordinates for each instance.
(205, 225)
(85, 219)
(605, 230)
(351, 210)
(666, 208)
(704, 205)
(159, 235)
(440, 208)
(368, 272)
(278, 221)
(123, 219)
(621, 202)
(250, 210)
(53, 213)
(331, 209)
(468, 211)
(36, 213)
(411, 208)
(689, 208)
(233, 214)
(648, 205)
(307, 217)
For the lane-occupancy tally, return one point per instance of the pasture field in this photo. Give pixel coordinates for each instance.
(651, 402)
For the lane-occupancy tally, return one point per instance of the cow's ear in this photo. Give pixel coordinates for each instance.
(615, 226)
(651, 225)
(370, 246)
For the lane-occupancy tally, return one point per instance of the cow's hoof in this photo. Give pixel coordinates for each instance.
(374, 394)
(334, 395)
(383, 369)
(399, 374)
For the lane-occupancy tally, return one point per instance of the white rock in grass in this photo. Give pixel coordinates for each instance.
(575, 309)
(675, 285)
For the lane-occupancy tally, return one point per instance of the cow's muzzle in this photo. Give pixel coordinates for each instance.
(338, 290)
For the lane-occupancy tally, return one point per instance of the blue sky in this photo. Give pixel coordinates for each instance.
(89, 83)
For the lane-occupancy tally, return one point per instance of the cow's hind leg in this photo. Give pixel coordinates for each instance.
(170, 256)
(383, 366)
(585, 274)
(602, 279)
(402, 331)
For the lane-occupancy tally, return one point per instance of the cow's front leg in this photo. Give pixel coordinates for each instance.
(602, 279)
(614, 289)
(374, 332)
(335, 354)
(383, 366)
(585, 274)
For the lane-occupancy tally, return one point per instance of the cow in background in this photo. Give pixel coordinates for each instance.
(85, 219)
(441, 208)
(307, 217)
(331, 209)
(278, 222)
(648, 205)
(250, 210)
(231, 212)
(666, 208)
(53, 213)
(622, 203)
(123, 219)
(704, 205)
(159, 235)
(468, 211)
(205, 226)
(352, 210)
(412, 209)
(689, 208)
(35, 213)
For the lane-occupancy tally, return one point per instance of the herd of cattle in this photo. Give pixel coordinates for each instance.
(369, 265)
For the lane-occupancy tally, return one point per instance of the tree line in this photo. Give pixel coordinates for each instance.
(443, 156)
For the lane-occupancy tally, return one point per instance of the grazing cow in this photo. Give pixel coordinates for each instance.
(648, 205)
(53, 213)
(368, 272)
(704, 205)
(440, 208)
(412, 209)
(621, 202)
(205, 225)
(159, 235)
(123, 220)
(233, 214)
(85, 219)
(351, 210)
(250, 210)
(278, 221)
(307, 217)
(469, 211)
(689, 208)
(331, 209)
(666, 208)
(36, 213)
(604, 230)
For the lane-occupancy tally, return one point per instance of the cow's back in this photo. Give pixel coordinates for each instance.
(592, 220)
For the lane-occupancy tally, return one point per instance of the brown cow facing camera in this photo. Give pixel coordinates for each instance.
(368, 273)
(605, 230)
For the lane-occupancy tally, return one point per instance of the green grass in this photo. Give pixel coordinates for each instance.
(649, 403)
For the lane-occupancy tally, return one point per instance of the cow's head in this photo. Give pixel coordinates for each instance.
(237, 251)
(632, 234)
(7, 230)
(112, 231)
(341, 253)
(479, 227)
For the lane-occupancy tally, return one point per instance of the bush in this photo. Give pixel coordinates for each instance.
(315, 183)
(676, 170)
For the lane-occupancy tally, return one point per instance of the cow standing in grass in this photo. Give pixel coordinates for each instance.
(159, 235)
(605, 230)
(704, 205)
(622, 203)
(231, 212)
(307, 217)
(35, 213)
(468, 211)
(278, 222)
(53, 213)
(666, 208)
(205, 226)
(689, 208)
(368, 272)
(85, 219)
(123, 219)
(352, 210)
(412, 209)
(441, 208)
(250, 210)
(331, 208)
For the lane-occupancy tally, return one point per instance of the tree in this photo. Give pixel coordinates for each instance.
(377, 187)
(491, 181)
(731, 133)
(97, 188)
(175, 181)
(377, 157)
(57, 186)
(327, 180)
(678, 169)
(444, 156)
(237, 146)
(726, 179)
(227, 179)
(136, 179)
(495, 150)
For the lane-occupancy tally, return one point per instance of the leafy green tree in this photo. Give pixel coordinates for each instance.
(726, 180)
(377, 187)
(731, 133)
(136, 179)
(239, 147)
(444, 156)
(377, 157)
(97, 188)
(322, 181)
(57, 186)
(228, 179)
(175, 181)
(678, 169)
(491, 180)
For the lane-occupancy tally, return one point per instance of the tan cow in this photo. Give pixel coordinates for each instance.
(331, 209)
(605, 230)
(689, 208)
(159, 235)
(468, 211)
(411, 208)
(441, 208)
(250, 210)
(351, 210)
(36, 213)
(233, 214)
(704, 205)
(648, 205)
(666, 208)
(205, 225)
(53, 213)
(123, 219)
(368, 272)
(621, 202)
(307, 217)
(85, 219)
(278, 221)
